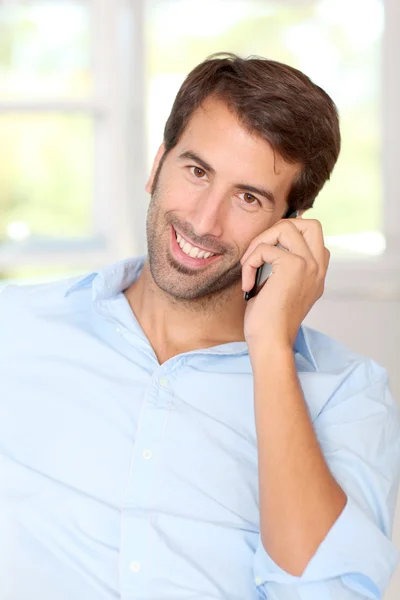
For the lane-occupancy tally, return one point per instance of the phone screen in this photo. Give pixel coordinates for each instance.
(265, 270)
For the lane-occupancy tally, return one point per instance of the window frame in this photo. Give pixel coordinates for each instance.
(118, 107)
(378, 277)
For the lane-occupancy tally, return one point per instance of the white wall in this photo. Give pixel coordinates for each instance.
(371, 328)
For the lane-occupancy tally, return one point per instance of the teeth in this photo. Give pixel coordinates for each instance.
(190, 250)
(194, 252)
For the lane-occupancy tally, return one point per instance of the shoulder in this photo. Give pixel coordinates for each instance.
(329, 355)
(338, 373)
(20, 302)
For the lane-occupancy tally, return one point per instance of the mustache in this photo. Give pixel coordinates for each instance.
(204, 242)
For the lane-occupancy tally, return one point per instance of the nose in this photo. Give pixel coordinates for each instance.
(208, 212)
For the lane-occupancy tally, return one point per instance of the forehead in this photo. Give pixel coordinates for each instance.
(216, 134)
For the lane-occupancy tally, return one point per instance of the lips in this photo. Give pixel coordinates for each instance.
(183, 258)
(192, 244)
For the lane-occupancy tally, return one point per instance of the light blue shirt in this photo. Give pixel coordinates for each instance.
(124, 478)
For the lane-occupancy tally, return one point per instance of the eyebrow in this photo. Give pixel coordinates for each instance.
(241, 186)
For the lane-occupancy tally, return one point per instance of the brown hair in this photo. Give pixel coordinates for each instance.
(275, 101)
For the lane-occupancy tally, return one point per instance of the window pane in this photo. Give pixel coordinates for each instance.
(46, 176)
(327, 40)
(45, 51)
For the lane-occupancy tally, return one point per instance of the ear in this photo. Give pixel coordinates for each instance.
(154, 168)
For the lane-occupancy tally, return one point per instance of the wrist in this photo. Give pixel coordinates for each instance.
(275, 357)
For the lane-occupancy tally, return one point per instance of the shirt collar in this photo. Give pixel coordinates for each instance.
(110, 280)
(113, 279)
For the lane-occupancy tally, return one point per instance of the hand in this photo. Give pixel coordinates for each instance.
(275, 314)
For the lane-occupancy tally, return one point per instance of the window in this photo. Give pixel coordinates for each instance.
(82, 114)
(64, 112)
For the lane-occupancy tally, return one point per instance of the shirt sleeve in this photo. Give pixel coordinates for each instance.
(360, 437)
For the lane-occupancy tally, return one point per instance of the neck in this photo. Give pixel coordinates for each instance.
(173, 325)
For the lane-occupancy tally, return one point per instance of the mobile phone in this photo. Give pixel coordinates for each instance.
(265, 270)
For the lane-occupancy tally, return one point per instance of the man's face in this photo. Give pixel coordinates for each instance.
(217, 189)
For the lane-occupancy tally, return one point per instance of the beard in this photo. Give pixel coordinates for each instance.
(212, 283)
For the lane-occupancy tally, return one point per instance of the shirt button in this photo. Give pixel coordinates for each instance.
(118, 330)
(163, 381)
(135, 567)
(258, 580)
(147, 454)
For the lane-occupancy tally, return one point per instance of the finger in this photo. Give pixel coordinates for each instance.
(263, 253)
(312, 232)
(327, 258)
(285, 233)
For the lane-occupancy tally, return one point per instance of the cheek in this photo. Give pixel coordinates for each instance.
(178, 194)
(246, 230)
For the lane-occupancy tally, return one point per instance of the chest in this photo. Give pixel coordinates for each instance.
(80, 419)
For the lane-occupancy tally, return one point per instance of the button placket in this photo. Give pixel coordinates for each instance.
(139, 498)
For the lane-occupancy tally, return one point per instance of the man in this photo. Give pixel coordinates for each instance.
(162, 438)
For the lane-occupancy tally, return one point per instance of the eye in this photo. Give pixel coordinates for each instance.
(197, 172)
(249, 199)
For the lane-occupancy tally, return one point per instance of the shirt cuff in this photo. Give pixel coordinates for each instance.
(354, 549)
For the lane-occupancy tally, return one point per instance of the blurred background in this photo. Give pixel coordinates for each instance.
(86, 87)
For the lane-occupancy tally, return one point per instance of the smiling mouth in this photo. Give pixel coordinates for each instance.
(190, 250)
